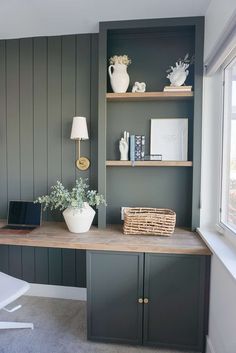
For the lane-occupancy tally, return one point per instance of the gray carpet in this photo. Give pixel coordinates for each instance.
(60, 327)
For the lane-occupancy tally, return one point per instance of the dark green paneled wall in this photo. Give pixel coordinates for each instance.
(44, 82)
(44, 265)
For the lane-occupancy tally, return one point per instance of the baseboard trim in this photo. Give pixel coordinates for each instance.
(60, 292)
(209, 346)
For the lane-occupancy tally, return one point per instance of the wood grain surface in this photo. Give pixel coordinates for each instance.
(115, 163)
(56, 235)
(144, 96)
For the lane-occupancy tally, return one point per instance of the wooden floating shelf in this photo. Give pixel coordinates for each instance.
(114, 163)
(148, 96)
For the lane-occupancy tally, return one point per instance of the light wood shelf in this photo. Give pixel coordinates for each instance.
(148, 96)
(115, 163)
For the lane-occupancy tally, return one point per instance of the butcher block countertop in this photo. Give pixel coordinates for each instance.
(56, 235)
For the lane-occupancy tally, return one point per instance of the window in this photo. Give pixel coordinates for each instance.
(228, 181)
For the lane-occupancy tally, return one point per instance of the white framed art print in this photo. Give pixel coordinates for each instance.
(169, 137)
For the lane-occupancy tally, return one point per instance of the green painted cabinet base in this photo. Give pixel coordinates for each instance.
(174, 288)
(114, 286)
(54, 266)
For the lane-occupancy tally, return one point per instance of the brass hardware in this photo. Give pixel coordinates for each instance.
(145, 300)
(82, 163)
(140, 300)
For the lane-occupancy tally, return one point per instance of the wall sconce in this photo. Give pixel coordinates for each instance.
(79, 132)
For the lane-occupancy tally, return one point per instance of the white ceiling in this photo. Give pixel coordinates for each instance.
(28, 18)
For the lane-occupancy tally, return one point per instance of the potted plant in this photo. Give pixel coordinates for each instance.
(75, 204)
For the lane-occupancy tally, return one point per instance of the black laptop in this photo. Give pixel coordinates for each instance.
(23, 215)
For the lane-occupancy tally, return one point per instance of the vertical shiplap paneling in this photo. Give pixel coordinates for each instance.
(54, 115)
(68, 108)
(13, 119)
(94, 111)
(4, 258)
(28, 265)
(54, 110)
(26, 119)
(41, 265)
(44, 83)
(40, 117)
(3, 132)
(94, 116)
(83, 73)
(55, 266)
(15, 261)
(80, 257)
(68, 267)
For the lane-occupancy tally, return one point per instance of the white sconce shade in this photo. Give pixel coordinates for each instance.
(79, 129)
(79, 132)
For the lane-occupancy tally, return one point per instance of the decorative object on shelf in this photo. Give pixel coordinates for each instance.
(124, 147)
(132, 148)
(177, 88)
(137, 147)
(149, 221)
(79, 132)
(119, 77)
(139, 87)
(75, 204)
(169, 137)
(178, 74)
(153, 157)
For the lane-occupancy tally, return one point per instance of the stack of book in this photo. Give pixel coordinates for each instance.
(177, 88)
(137, 147)
(153, 157)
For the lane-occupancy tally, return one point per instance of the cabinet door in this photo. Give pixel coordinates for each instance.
(174, 315)
(114, 285)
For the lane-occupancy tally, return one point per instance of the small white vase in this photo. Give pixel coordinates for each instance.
(119, 77)
(79, 221)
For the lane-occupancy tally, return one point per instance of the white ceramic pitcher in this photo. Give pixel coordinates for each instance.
(119, 77)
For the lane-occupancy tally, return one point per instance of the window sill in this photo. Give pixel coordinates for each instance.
(221, 247)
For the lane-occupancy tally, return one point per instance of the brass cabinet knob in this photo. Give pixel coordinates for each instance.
(145, 300)
(140, 300)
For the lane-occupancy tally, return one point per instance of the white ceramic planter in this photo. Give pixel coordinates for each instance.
(79, 221)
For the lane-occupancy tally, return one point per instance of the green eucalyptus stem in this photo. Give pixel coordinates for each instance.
(62, 198)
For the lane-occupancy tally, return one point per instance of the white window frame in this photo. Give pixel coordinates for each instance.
(222, 227)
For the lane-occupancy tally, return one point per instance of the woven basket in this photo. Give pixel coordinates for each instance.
(155, 221)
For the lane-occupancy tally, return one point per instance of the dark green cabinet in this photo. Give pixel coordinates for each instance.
(114, 284)
(174, 286)
(150, 299)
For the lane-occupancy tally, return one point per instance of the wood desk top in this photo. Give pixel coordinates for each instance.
(56, 235)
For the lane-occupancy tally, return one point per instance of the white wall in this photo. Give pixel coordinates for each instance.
(55, 17)
(211, 149)
(222, 318)
(218, 16)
